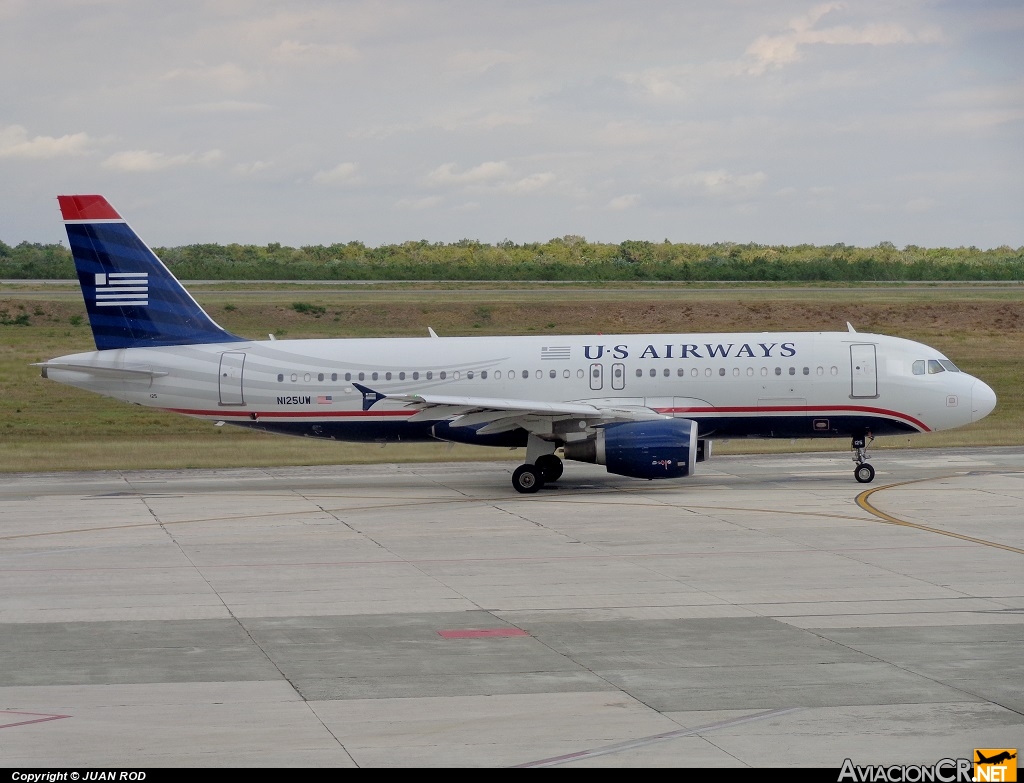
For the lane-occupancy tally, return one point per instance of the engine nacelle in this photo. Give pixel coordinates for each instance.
(665, 448)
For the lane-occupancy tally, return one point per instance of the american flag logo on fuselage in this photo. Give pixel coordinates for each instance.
(556, 353)
(117, 289)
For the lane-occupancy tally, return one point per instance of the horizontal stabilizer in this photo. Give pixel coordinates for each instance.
(102, 371)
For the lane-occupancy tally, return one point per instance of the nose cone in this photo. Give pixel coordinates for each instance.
(983, 400)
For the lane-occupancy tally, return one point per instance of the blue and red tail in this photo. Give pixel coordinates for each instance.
(132, 299)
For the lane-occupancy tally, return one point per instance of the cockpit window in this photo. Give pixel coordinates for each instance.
(934, 366)
(919, 367)
(949, 365)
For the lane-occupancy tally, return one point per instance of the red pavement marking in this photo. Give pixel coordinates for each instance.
(481, 633)
(40, 717)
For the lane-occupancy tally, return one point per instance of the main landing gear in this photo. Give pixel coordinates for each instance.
(864, 473)
(530, 478)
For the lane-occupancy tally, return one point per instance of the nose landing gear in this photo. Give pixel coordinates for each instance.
(864, 472)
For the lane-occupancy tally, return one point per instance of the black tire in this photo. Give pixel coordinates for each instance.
(550, 467)
(864, 474)
(527, 479)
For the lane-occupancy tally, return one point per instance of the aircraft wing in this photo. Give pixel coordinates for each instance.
(501, 414)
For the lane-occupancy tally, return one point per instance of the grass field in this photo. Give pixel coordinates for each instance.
(45, 426)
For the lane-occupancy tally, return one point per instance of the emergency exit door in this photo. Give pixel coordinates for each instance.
(864, 371)
(230, 378)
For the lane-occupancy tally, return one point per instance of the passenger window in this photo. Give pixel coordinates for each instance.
(320, 377)
(526, 373)
(667, 372)
(807, 370)
(680, 372)
(693, 372)
(443, 375)
(540, 373)
(401, 376)
(430, 375)
(348, 376)
(707, 372)
(653, 372)
(552, 374)
(750, 372)
(362, 376)
(778, 371)
(374, 376)
(565, 373)
(334, 376)
(416, 375)
(579, 373)
(792, 370)
(639, 373)
(834, 370)
(469, 375)
(721, 371)
(280, 379)
(387, 376)
(736, 372)
(820, 371)
(483, 374)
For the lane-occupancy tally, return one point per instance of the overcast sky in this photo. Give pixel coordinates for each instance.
(313, 122)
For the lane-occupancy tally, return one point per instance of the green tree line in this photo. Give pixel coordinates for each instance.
(565, 258)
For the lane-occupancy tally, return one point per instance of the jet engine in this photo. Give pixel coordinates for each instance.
(664, 448)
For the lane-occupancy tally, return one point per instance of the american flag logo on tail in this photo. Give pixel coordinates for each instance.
(117, 289)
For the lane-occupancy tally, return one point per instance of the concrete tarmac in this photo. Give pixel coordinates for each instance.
(767, 612)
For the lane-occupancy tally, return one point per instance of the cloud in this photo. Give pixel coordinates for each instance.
(245, 169)
(482, 60)
(529, 184)
(291, 52)
(489, 171)
(493, 176)
(419, 203)
(227, 76)
(15, 143)
(342, 174)
(226, 107)
(923, 204)
(776, 51)
(620, 203)
(144, 161)
(723, 183)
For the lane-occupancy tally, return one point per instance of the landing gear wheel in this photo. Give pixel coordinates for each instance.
(550, 467)
(865, 474)
(527, 479)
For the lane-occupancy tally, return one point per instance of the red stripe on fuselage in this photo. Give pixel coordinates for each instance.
(291, 414)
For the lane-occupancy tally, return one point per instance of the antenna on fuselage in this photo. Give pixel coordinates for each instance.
(850, 327)
(432, 332)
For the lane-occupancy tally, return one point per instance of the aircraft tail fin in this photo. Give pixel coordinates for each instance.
(132, 299)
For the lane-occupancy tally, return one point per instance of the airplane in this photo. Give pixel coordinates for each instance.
(646, 406)
(1004, 756)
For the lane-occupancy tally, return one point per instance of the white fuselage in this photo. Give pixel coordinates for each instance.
(821, 384)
